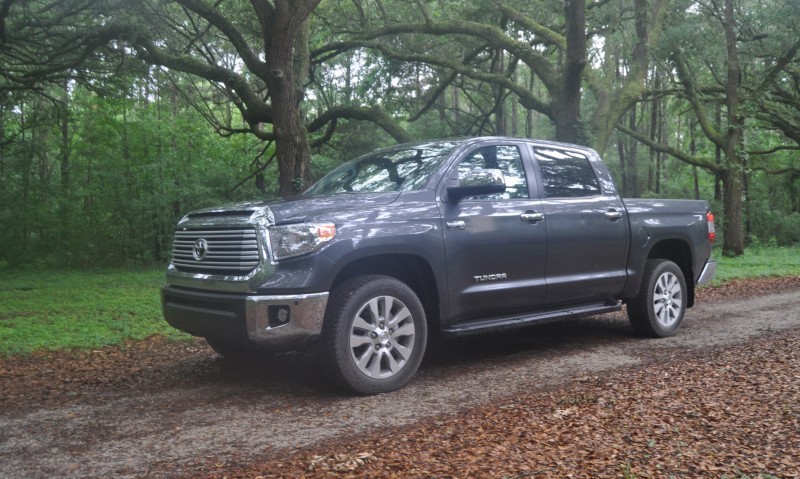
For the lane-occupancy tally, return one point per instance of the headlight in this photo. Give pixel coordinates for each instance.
(295, 240)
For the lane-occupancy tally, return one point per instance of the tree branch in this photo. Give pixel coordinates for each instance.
(213, 17)
(373, 114)
(707, 164)
(257, 111)
(774, 150)
(691, 92)
(489, 33)
(550, 36)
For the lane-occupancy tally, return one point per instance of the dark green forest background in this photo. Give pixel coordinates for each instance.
(117, 117)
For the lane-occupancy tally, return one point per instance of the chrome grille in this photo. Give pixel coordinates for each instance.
(215, 250)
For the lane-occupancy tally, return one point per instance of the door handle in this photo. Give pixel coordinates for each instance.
(531, 216)
(613, 214)
(456, 226)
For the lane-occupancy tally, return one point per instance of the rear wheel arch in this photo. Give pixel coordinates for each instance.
(679, 252)
(659, 307)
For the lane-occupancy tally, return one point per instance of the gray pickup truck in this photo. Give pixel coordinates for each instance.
(434, 239)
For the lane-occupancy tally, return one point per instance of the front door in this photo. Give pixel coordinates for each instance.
(495, 246)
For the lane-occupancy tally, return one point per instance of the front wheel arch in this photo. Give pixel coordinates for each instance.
(374, 335)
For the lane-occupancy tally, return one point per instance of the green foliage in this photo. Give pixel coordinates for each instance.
(759, 261)
(112, 189)
(60, 310)
(774, 216)
(101, 157)
(627, 470)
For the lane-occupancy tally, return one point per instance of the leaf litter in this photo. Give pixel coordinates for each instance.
(726, 412)
(734, 413)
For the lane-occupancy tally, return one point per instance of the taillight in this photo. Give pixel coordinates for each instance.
(712, 231)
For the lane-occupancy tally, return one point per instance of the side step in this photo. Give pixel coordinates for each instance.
(519, 320)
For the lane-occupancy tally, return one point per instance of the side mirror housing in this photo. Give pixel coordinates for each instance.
(477, 182)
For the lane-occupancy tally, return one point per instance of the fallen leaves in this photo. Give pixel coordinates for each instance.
(732, 412)
(743, 288)
(720, 413)
(60, 377)
(340, 462)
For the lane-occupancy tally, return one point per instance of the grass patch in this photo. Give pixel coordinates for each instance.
(61, 310)
(45, 310)
(758, 262)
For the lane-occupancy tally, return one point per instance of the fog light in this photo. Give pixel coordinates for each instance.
(279, 315)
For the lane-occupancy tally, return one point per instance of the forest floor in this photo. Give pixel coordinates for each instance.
(579, 398)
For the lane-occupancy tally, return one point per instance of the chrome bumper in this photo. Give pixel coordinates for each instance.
(306, 312)
(709, 270)
(276, 322)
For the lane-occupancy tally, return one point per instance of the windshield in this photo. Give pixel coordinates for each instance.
(404, 168)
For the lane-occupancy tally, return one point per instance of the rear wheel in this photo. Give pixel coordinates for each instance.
(658, 309)
(374, 335)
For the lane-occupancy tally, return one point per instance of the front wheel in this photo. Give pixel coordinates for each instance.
(658, 309)
(374, 335)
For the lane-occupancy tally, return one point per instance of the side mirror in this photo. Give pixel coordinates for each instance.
(478, 182)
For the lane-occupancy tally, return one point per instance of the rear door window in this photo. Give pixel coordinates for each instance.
(566, 174)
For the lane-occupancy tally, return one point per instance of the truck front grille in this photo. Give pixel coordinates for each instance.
(226, 251)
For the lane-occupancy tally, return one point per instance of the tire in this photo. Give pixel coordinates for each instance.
(658, 310)
(374, 335)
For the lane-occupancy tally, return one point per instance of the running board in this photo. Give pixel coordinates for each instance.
(519, 320)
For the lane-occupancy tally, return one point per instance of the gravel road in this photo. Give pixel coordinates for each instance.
(206, 409)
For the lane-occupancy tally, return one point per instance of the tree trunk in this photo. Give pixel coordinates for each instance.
(515, 111)
(568, 105)
(289, 39)
(632, 172)
(661, 157)
(498, 67)
(457, 108)
(693, 151)
(718, 157)
(529, 112)
(623, 174)
(653, 134)
(634, 167)
(733, 244)
(614, 102)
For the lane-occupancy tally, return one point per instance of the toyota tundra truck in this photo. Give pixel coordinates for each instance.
(434, 239)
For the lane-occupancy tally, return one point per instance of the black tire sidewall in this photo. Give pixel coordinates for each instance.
(641, 311)
(345, 302)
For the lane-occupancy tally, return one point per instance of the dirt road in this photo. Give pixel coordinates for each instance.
(190, 406)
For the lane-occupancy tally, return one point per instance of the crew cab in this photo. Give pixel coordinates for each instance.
(434, 238)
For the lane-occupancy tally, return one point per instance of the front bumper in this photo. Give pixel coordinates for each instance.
(276, 322)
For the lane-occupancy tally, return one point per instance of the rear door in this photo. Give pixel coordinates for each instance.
(495, 247)
(587, 228)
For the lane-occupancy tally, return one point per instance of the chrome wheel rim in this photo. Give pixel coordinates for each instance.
(382, 337)
(668, 299)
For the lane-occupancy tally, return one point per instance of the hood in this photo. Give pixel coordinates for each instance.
(297, 209)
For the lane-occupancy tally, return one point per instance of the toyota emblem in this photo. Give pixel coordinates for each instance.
(200, 249)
